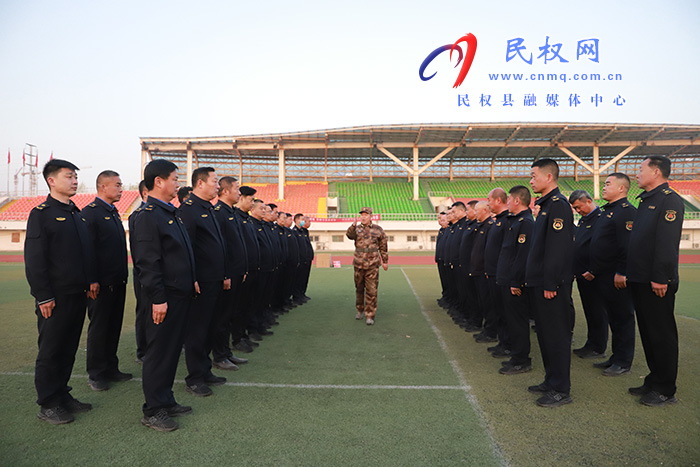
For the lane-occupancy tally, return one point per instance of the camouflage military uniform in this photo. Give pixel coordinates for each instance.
(370, 253)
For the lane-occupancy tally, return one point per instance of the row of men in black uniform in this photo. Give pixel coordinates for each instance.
(202, 278)
(500, 266)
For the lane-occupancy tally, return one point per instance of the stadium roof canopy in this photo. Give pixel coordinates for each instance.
(416, 150)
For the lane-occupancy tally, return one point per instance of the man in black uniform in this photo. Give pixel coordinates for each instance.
(60, 269)
(652, 274)
(266, 271)
(165, 261)
(510, 276)
(229, 316)
(593, 309)
(106, 312)
(469, 300)
(240, 334)
(494, 322)
(477, 272)
(306, 266)
(457, 215)
(209, 249)
(608, 267)
(549, 277)
(141, 312)
(306, 255)
(439, 255)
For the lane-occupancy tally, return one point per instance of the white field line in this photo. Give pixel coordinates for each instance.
(288, 386)
(458, 372)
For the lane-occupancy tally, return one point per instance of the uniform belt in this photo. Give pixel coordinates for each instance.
(366, 250)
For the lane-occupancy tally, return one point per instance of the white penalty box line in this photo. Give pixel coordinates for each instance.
(292, 386)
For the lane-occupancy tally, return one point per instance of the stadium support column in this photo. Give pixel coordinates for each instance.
(580, 161)
(190, 153)
(596, 172)
(415, 173)
(144, 159)
(281, 174)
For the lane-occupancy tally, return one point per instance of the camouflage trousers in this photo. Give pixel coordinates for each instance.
(366, 284)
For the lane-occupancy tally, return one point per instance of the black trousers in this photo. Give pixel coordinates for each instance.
(460, 277)
(657, 328)
(247, 304)
(299, 282)
(443, 281)
(59, 336)
(517, 317)
(618, 304)
(164, 344)
(106, 315)
(495, 321)
(554, 323)
(596, 314)
(483, 300)
(142, 314)
(224, 320)
(306, 271)
(471, 306)
(200, 331)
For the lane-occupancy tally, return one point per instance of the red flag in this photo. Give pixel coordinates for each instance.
(23, 159)
(51, 158)
(8, 156)
(36, 164)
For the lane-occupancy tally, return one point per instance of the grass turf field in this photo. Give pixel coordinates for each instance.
(328, 390)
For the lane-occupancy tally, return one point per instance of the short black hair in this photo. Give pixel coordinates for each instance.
(459, 205)
(547, 165)
(54, 165)
(472, 203)
(623, 177)
(226, 182)
(297, 216)
(579, 195)
(105, 174)
(289, 214)
(662, 163)
(183, 193)
(522, 193)
(142, 186)
(201, 173)
(272, 205)
(157, 168)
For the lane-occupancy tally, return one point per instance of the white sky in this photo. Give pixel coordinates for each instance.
(87, 79)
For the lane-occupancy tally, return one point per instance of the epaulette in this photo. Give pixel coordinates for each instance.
(555, 198)
(217, 208)
(521, 219)
(188, 202)
(41, 206)
(625, 205)
(92, 205)
(149, 207)
(667, 191)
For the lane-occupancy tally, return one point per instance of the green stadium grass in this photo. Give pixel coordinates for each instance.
(321, 344)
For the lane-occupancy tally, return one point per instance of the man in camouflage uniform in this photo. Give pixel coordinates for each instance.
(370, 252)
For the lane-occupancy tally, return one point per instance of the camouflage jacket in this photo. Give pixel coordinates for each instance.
(370, 245)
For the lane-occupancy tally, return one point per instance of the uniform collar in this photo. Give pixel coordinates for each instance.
(593, 213)
(502, 214)
(548, 196)
(53, 202)
(167, 206)
(197, 200)
(521, 213)
(647, 194)
(105, 204)
(616, 203)
(225, 206)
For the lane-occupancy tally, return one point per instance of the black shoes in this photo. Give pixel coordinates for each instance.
(542, 387)
(615, 370)
(75, 406)
(266, 332)
(482, 338)
(178, 410)
(587, 353)
(55, 415)
(237, 360)
(98, 385)
(515, 369)
(212, 380)
(254, 336)
(603, 365)
(119, 377)
(242, 346)
(639, 391)
(655, 399)
(199, 390)
(500, 353)
(160, 421)
(554, 399)
(225, 365)
(472, 328)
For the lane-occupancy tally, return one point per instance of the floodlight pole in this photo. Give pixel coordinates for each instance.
(415, 173)
(280, 184)
(190, 153)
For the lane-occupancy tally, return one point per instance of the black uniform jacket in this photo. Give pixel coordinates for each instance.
(163, 254)
(250, 237)
(481, 232)
(467, 244)
(205, 236)
(59, 258)
(582, 241)
(611, 238)
(440, 245)
(236, 255)
(292, 248)
(267, 258)
(108, 237)
(550, 262)
(494, 242)
(516, 248)
(453, 241)
(656, 235)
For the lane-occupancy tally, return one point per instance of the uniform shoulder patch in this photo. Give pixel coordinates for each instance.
(625, 205)
(558, 224)
(41, 207)
(667, 191)
(188, 202)
(522, 238)
(628, 225)
(670, 215)
(92, 205)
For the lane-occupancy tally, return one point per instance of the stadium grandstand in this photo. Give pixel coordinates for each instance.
(407, 173)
